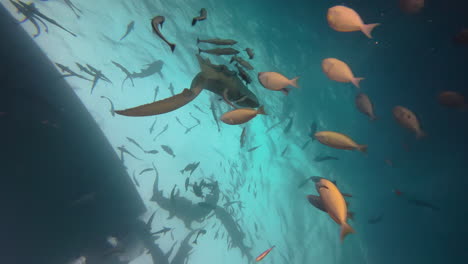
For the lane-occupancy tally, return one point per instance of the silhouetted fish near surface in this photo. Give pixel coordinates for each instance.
(187, 183)
(160, 133)
(155, 22)
(196, 119)
(242, 137)
(201, 17)
(168, 150)
(73, 7)
(284, 151)
(151, 68)
(190, 167)
(250, 52)
(135, 179)
(217, 41)
(219, 51)
(112, 105)
(242, 62)
(151, 129)
(130, 27)
(124, 150)
(190, 128)
(212, 108)
(244, 75)
(178, 121)
(153, 151)
(156, 93)
(131, 140)
(289, 125)
(263, 255)
(199, 109)
(203, 231)
(70, 73)
(127, 72)
(146, 170)
(324, 158)
(254, 148)
(422, 203)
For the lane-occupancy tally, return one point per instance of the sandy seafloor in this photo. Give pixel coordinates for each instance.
(301, 233)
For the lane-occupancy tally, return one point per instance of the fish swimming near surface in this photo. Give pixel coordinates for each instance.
(242, 62)
(365, 106)
(160, 133)
(241, 115)
(339, 71)
(217, 41)
(98, 75)
(188, 129)
(130, 27)
(133, 141)
(151, 129)
(242, 137)
(190, 167)
(407, 119)
(212, 108)
(127, 72)
(156, 90)
(219, 51)
(339, 141)
(112, 111)
(199, 109)
(72, 6)
(146, 170)
(284, 151)
(264, 254)
(162, 231)
(422, 203)
(151, 68)
(250, 52)
(171, 89)
(196, 119)
(324, 158)
(187, 183)
(155, 22)
(345, 19)
(411, 6)
(332, 201)
(289, 125)
(168, 150)
(135, 179)
(254, 148)
(201, 17)
(276, 82)
(124, 150)
(243, 74)
(70, 73)
(178, 121)
(453, 100)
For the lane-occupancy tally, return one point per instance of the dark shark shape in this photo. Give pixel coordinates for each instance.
(201, 17)
(215, 78)
(130, 27)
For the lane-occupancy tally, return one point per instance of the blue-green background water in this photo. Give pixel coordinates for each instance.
(409, 61)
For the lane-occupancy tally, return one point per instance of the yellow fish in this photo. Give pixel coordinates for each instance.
(338, 141)
(345, 19)
(241, 115)
(339, 71)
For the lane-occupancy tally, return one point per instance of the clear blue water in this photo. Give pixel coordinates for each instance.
(409, 61)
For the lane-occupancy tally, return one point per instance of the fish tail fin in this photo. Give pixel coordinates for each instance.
(356, 82)
(194, 21)
(199, 51)
(198, 40)
(367, 29)
(261, 111)
(173, 47)
(421, 134)
(362, 148)
(293, 82)
(350, 215)
(345, 230)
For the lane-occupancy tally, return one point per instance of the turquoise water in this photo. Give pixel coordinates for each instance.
(410, 60)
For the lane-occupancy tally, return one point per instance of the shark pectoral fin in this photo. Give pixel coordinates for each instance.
(163, 106)
(316, 201)
(346, 194)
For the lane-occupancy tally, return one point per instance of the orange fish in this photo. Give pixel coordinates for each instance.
(263, 255)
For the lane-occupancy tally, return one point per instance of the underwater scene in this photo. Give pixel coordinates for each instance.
(245, 131)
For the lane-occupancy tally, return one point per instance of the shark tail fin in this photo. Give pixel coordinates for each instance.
(172, 47)
(198, 40)
(194, 21)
